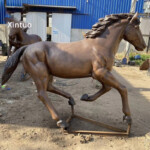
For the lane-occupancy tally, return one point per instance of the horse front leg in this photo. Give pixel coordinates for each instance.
(40, 75)
(107, 78)
(102, 91)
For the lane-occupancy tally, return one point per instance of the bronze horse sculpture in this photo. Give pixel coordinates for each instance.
(91, 57)
(18, 36)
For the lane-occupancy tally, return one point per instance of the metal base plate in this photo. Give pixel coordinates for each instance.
(114, 131)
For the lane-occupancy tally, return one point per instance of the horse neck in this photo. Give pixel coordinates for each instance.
(112, 37)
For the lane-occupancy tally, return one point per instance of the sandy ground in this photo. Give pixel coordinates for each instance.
(25, 123)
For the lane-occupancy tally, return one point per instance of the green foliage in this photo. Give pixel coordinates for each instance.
(139, 61)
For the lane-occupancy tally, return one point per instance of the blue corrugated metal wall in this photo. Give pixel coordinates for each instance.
(87, 13)
(2, 11)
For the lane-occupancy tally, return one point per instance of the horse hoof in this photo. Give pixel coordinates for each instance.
(71, 102)
(128, 119)
(84, 97)
(62, 124)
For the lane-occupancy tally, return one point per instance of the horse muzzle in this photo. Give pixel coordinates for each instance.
(141, 48)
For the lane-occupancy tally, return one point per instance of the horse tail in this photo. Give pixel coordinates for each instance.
(11, 64)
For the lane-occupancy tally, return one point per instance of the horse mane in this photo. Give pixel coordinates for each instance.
(100, 27)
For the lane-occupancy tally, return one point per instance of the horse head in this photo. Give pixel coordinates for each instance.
(133, 34)
(15, 27)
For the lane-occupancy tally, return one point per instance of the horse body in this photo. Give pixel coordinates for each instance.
(59, 56)
(79, 57)
(91, 57)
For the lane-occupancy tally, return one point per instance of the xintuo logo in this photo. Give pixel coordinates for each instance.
(19, 25)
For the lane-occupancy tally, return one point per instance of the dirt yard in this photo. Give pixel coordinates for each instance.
(25, 123)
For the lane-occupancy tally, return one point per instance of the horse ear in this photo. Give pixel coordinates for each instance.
(135, 17)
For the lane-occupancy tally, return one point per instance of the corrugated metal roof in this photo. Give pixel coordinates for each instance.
(49, 6)
(100, 8)
(86, 14)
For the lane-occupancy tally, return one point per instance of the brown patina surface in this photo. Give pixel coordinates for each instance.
(91, 57)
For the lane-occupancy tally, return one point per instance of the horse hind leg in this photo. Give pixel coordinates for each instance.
(39, 74)
(55, 90)
(91, 98)
(24, 75)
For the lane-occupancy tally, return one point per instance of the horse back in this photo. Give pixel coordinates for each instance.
(34, 38)
(60, 59)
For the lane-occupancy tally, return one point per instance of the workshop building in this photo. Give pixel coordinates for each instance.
(63, 20)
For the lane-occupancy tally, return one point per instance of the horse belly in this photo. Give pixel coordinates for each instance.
(70, 69)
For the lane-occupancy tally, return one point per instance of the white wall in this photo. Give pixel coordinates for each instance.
(77, 34)
(3, 33)
(61, 27)
(39, 23)
(17, 15)
(145, 26)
